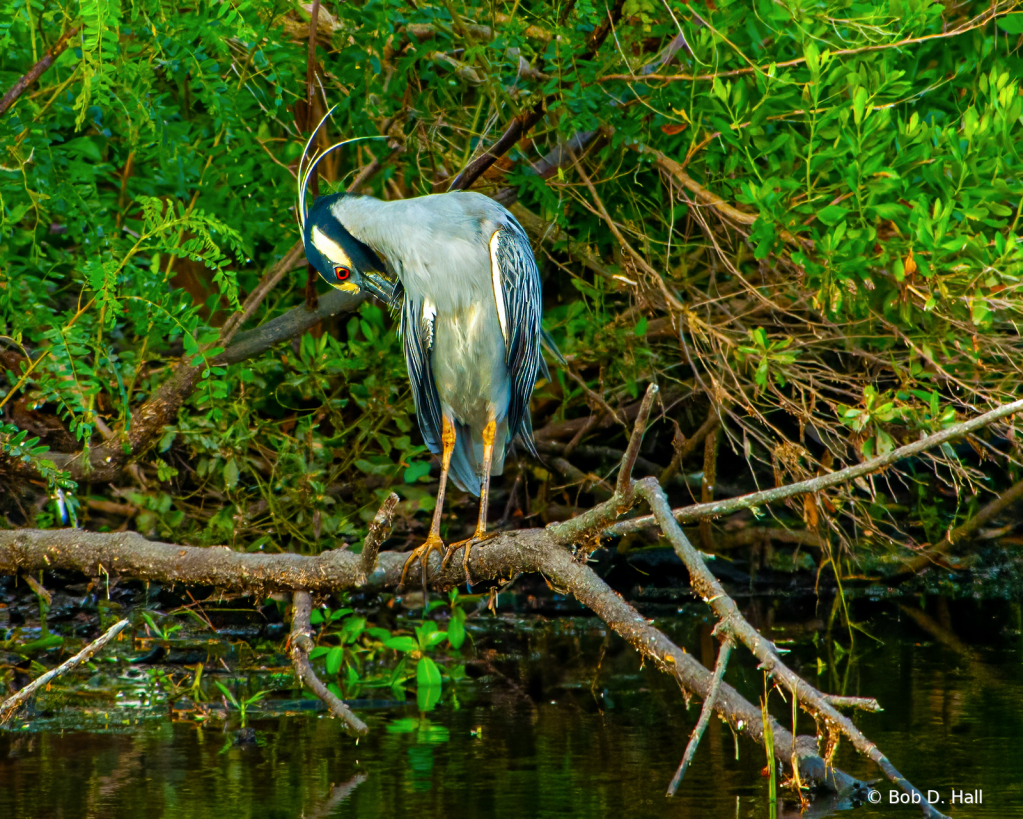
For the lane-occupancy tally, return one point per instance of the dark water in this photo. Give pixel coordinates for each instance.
(562, 722)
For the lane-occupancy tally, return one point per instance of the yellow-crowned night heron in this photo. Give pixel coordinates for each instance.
(468, 291)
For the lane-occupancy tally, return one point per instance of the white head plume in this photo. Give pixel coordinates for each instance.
(306, 166)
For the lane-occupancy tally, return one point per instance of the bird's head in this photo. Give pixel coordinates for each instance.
(342, 260)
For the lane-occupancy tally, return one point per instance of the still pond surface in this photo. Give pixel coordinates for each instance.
(560, 720)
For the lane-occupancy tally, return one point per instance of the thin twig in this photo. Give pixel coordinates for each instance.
(978, 22)
(711, 423)
(301, 645)
(707, 484)
(705, 712)
(639, 259)
(523, 123)
(10, 705)
(689, 514)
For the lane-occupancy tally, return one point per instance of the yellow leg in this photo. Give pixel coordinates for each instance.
(433, 541)
(489, 433)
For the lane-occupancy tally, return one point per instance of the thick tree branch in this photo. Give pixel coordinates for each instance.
(533, 551)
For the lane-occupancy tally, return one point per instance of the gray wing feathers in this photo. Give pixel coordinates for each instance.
(520, 280)
(417, 336)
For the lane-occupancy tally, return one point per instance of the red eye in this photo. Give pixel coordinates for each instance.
(342, 273)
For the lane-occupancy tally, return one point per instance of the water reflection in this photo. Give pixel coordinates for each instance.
(563, 722)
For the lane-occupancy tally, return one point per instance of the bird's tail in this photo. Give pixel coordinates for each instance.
(467, 459)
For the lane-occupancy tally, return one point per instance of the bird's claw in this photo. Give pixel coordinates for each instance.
(475, 540)
(422, 553)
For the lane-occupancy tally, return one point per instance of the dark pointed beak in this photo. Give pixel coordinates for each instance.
(379, 285)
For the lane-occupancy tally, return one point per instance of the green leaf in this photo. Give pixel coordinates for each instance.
(427, 696)
(402, 643)
(42, 644)
(405, 725)
(427, 672)
(417, 470)
(337, 615)
(1011, 23)
(832, 215)
(456, 629)
(231, 474)
(335, 657)
(859, 104)
(436, 637)
(227, 693)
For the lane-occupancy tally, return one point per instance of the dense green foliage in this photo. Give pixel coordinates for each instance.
(148, 182)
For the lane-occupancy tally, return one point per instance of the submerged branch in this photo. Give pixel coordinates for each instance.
(9, 706)
(705, 712)
(727, 612)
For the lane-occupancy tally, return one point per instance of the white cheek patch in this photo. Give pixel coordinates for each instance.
(331, 249)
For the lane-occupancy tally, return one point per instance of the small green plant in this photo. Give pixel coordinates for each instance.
(360, 656)
(165, 633)
(241, 704)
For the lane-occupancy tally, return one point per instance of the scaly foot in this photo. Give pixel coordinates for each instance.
(433, 543)
(477, 538)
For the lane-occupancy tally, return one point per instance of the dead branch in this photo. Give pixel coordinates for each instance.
(624, 487)
(968, 530)
(534, 551)
(943, 549)
(9, 706)
(301, 645)
(688, 447)
(862, 703)
(727, 612)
